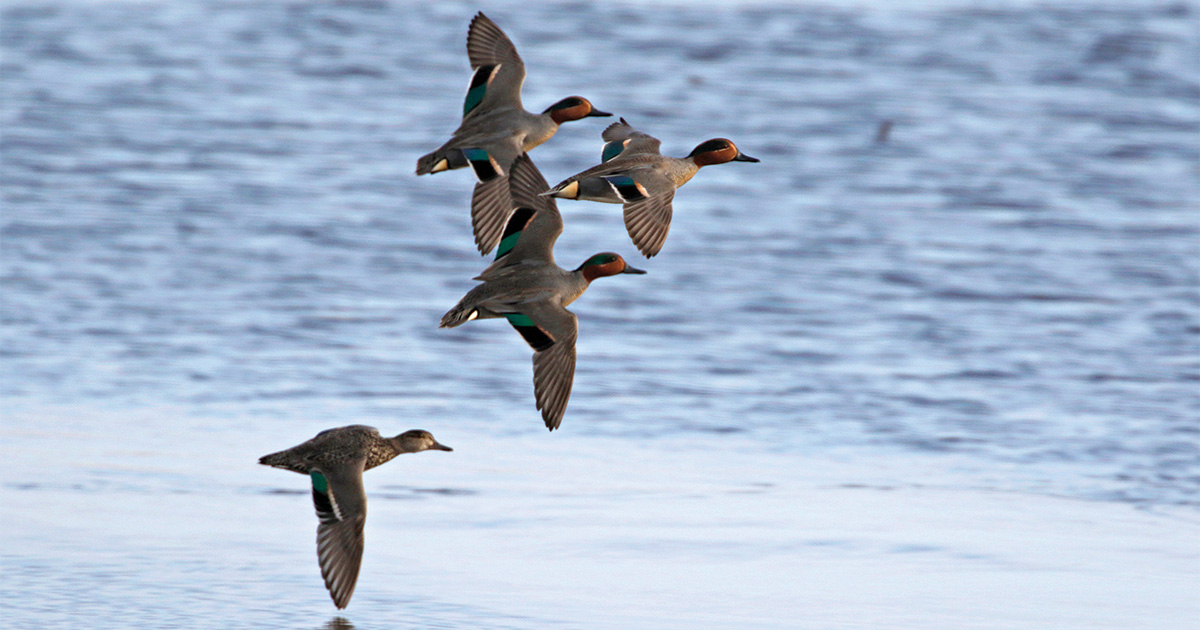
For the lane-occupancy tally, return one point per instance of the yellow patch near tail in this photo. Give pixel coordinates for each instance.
(570, 191)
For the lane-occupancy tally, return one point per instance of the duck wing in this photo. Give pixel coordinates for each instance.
(341, 504)
(645, 192)
(648, 217)
(533, 226)
(498, 69)
(491, 202)
(622, 139)
(551, 331)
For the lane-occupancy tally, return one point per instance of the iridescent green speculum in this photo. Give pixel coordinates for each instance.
(612, 150)
(476, 155)
(519, 319)
(478, 88)
(320, 484)
(506, 244)
(534, 335)
(512, 232)
(474, 97)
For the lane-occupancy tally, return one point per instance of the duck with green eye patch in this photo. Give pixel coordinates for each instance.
(632, 172)
(525, 286)
(496, 129)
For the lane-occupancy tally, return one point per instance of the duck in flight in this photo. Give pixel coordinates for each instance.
(525, 286)
(335, 460)
(632, 172)
(496, 129)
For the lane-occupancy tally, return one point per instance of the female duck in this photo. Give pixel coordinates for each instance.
(526, 287)
(632, 172)
(335, 460)
(496, 128)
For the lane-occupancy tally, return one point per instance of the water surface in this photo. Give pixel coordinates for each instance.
(945, 380)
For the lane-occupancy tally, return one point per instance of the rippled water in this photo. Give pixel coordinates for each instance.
(983, 331)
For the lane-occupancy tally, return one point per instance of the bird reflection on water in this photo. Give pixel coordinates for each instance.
(338, 623)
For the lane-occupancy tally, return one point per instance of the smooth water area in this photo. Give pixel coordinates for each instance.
(933, 363)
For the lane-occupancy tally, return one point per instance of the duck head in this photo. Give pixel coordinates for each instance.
(718, 151)
(418, 440)
(605, 264)
(572, 108)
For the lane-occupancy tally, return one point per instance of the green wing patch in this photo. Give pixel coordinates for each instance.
(533, 334)
(320, 484)
(479, 83)
(512, 230)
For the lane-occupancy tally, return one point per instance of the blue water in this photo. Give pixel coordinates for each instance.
(213, 246)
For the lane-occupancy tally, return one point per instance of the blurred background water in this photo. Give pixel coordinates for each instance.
(213, 246)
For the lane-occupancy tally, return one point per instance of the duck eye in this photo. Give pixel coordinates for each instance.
(710, 146)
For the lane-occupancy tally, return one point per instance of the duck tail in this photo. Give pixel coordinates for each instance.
(459, 315)
(425, 163)
(441, 160)
(486, 167)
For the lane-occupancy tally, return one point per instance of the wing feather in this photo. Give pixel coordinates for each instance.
(648, 222)
(341, 505)
(533, 234)
(553, 362)
(488, 46)
(622, 140)
(490, 207)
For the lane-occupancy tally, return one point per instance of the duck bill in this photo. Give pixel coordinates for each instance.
(742, 157)
(597, 113)
(633, 270)
(440, 447)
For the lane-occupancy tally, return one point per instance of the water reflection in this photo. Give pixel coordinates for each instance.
(338, 623)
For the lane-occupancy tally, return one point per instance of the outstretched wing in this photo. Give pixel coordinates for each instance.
(499, 71)
(645, 193)
(551, 331)
(647, 220)
(622, 139)
(534, 224)
(341, 505)
(491, 203)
